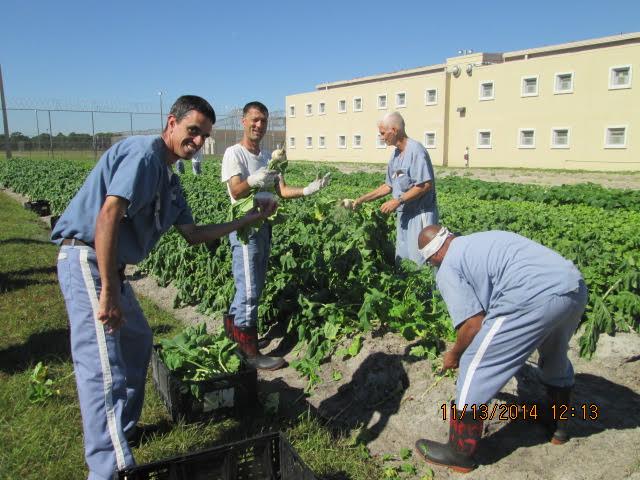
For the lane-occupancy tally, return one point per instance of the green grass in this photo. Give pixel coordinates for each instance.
(42, 441)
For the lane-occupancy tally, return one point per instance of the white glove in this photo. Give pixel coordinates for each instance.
(316, 185)
(262, 178)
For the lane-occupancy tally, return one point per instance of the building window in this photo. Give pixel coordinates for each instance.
(530, 86)
(321, 108)
(321, 142)
(308, 109)
(486, 91)
(560, 138)
(563, 83)
(342, 141)
(484, 139)
(357, 104)
(380, 143)
(615, 137)
(292, 142)
(382, 101)
(431, 96)
(308, 143)
(401, 100)
(357, 141)
(342, 106)
(430, 139)
(620, 77)
(527, 138)
(292, 110)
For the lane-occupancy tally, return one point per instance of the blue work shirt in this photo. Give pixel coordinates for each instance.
(408, 168)
(134, 169)
(501, 270)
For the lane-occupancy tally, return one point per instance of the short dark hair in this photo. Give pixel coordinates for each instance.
(186, 103)
(258, 106)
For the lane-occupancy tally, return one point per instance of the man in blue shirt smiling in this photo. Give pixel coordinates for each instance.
(127, 202)
(507, 296)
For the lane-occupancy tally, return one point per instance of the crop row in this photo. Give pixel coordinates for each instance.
(331, 271)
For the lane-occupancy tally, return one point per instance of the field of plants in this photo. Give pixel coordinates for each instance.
(331, 273)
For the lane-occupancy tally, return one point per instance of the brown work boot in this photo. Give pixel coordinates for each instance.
(247, 340)
(228, 319)
(457, 454)
(555, 419)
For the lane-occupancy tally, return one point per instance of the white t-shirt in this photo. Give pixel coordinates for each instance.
(238, 160)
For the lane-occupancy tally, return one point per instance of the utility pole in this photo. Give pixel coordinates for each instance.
(5, 121)
(161, 118)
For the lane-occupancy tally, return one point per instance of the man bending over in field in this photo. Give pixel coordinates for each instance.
(411, 183)
(127, 202)
(507, 296)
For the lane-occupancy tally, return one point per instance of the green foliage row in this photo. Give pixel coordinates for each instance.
(581, 194)
(331, 271)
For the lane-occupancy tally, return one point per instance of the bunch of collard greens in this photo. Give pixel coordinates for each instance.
(195, 356)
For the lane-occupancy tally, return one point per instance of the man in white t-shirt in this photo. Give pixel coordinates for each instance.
(244, 168)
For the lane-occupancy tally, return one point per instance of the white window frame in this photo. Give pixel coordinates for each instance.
(619, 87)
(523, 93)
(481, 146)
(553, 138)
(322, 144)
(345, 105)
(292, 110)
(308, 141)
(353, 140)
(555, 83)
(345, 141)
(380, 143)
(308, 109)
(404, 105)
(292, 142)
(493, 90)
(606, 137)
(426, 96)
(354, 104)
(324, 108)
(520, 144)
(435, 140)
(386, 101)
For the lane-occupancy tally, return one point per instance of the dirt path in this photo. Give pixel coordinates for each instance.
(389, 400)
(518, 175)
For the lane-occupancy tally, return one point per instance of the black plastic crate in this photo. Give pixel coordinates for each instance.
(267, 457)
(40, 207)
(224, 396)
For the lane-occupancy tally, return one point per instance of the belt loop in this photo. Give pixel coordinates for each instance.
(73, 242)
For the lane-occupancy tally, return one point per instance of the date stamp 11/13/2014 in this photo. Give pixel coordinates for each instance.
(513, 411)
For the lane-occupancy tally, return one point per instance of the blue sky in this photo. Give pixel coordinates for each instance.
(120, 54)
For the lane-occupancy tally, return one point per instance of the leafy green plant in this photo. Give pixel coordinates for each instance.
(195, 356)
(41, 386)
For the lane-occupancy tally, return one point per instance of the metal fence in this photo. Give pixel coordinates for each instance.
(85, 132)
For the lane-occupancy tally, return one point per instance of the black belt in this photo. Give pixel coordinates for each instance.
(75, 241)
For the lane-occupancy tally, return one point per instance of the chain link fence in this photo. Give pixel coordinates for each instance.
(51, 130)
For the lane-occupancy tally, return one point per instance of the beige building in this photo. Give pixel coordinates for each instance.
(569, 106)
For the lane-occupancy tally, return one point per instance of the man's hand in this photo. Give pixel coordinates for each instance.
(262, 178)
(317, 184)
(109, 312)
(390, 206)
(451, 360)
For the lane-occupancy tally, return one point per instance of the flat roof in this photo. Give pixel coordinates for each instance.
(514, 55)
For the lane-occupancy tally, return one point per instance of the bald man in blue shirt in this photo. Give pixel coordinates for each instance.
(127, 202)
(507, 296)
